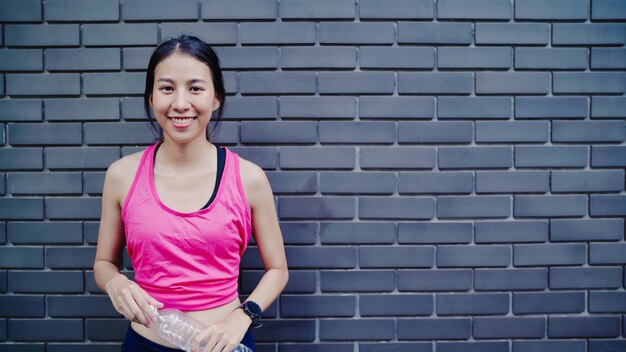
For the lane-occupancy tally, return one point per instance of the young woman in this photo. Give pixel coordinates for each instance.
(186, 251)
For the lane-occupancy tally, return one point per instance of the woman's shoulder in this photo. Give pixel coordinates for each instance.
(253, 179)
(122, 172)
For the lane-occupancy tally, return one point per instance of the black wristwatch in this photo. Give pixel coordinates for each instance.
(254, 312)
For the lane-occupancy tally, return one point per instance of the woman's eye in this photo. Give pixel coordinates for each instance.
(165, 88)
(197, 89)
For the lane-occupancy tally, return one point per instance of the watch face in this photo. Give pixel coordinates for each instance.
(253, 308)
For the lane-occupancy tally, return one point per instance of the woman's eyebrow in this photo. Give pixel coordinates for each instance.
(190, 81)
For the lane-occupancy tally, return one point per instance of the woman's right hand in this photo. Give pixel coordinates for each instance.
(132, 301)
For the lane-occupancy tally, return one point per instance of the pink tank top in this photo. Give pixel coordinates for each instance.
(187, 261)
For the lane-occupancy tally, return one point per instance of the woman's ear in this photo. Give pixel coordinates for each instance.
(216, 103)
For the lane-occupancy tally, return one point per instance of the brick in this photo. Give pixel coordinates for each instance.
(45, 134)
(276, 82)
(357, 281)
(548, 303)
(81, 157)
(43, 84)
(588, 278)
(434, 280)
(22, 306)
(250, 108)
(316, 207)
(435, 83)
(318, 107)
(598, 326)
(318, 57)
(514, 182)
(607, 156)
(397, 57)
(395, 304)
(473, 346)
(341, 182)
(212, 33)
(356, 82)
(159, 10)
(300, 33)
(473, 206)
(510, 279)
(608, 10)
(105, 329)
(279, 132)
(435, 33)
(588, 34)
(512, 132)
(583, 82)
(357, 232)
(477, 58)
(136, 58)
(552, 156)
(120, 34)
(605, 345)
(264, 157)
(472, 256)
(293, 181)
(357, 132)
(22, 11)
(45, 183)
(472, 304)
(286, 330)
(300, 281)
(396, 208)
(351, 329)
(239, 9)
(608, 58)
(80, 306)
(588, 131)
(21, 158)
(95, 59)
(434, 328)
(549, 205)
(45, 35)
(82, 109)
(607, 302)
(46, 232)
(115, 133)
(435, 182)
(20, 110)
(435, 132)
(322, 158)
(46, 282)
(475, 157)
(608, 107)
(549, 254)
(75, 10)
(509, 327)
(324, 9)
(551, 107)
(404, 157)
(21, 59)
(586, 230)
(114, 83)
(21, 257)
(364, 33)
(70, 257)
(73, 208)
(474, 107)
(318, 346)
(3, 286)
(607, 253)
(46, 330)
(474, 9)
(21, 208)
(317, 306)
(587, 181)
(512, 83)
(434, 232)
(308, 257)
(607, 205)
(401, 257)
(551, 58)
(299, 232)
(520, 33)
(551, 9)
(396, 9)
(511, 231)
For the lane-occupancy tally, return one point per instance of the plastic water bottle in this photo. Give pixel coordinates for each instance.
(179, 329)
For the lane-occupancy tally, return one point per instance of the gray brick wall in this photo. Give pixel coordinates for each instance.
(449, 174)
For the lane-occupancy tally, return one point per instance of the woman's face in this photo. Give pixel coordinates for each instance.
(183, 97)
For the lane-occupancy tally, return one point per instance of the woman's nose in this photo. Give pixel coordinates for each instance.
(181, 101)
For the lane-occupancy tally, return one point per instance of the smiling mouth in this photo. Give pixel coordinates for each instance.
(182, 121)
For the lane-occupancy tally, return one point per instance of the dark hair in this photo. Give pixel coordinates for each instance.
(197, 48)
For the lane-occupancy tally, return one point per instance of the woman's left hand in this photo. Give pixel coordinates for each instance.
(223, 336)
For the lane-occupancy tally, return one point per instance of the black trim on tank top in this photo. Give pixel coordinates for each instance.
(221, 159)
